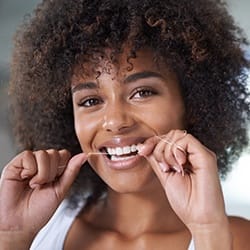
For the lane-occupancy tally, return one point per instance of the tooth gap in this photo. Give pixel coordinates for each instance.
(104, 150)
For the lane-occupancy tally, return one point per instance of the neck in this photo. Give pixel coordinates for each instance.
(133, 214)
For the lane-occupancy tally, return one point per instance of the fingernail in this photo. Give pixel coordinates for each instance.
(85, 158)
(62, 167)
(179, 169)
(164, 167)
(176, 169)
(140, 148)
(23, 176)
(34, 185)
(79, 159)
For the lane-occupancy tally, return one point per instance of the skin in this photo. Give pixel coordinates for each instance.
(157, 184)
(123, 116)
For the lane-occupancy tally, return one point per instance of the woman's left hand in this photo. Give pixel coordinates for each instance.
(188, 173)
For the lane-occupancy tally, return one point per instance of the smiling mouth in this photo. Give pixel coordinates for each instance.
(120, 153)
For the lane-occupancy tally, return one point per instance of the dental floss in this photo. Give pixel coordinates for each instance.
(156, 135)
(166, 141)
(171, 143)
(96, 153)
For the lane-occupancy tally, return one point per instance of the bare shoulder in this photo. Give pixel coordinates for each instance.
(241, 232)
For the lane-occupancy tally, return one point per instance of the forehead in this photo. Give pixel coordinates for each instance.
(120, 66)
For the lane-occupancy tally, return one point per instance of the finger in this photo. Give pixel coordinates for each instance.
(20, 167)
(174, 154)
(54, 159)
(29, 165)
(187, 143)
(180, 154)
(161, 169)
(160, 149)
(146, 150)
(164, 167)
(64, 158)
(148, 146)
(169, 157)
(71, 171)
(164, 151)
(190, 151)
(43, 169)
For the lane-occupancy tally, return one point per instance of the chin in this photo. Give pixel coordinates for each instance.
(132, 182)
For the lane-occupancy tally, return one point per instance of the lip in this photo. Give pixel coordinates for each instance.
(127, 162)
(121, 142)
(124, 164)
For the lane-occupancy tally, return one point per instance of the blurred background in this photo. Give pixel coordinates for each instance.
(236, 187)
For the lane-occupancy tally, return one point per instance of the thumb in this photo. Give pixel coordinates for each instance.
(147, 147)
(70, 174)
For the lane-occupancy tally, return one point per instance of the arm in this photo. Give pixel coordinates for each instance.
(17, 240)
(212, 237)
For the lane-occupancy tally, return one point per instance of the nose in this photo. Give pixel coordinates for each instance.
(117, 119)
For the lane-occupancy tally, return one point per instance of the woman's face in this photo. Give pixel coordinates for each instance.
(120, 109)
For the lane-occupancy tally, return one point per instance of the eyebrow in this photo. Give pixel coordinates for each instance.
(84, 85)
(142, 75)
(131, 78)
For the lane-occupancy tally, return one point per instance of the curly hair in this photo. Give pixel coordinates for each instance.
(198, 39)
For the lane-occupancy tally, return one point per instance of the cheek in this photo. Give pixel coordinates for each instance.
(85, 130)
(80, 133)
(162, 120)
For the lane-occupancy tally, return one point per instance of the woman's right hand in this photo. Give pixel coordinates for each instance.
(32, 186)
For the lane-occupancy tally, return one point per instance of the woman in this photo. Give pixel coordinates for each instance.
(125, 112)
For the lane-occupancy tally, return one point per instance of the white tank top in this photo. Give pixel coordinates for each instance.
(53, 234)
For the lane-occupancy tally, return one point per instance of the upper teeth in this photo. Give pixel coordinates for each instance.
(122, 150)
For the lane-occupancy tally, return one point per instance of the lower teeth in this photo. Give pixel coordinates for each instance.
(118, 158)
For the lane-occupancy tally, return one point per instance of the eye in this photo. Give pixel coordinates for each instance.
(89, 102)
(143, 92)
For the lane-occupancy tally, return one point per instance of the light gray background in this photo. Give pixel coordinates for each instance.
(237, 186)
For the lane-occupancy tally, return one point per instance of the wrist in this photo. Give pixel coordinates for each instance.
(212, 236)
(15, 240)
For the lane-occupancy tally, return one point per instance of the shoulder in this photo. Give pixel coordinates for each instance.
(240, 228)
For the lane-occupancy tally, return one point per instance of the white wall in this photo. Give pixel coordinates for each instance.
(236, 188)
(240, 9)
